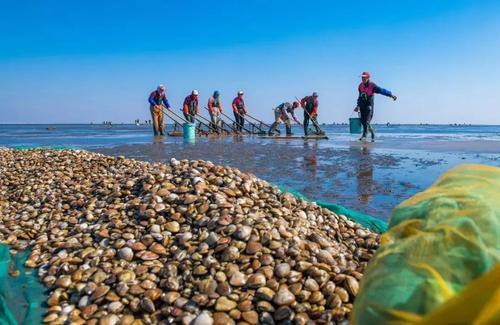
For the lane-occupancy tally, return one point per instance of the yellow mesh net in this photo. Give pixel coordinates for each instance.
(441, 251)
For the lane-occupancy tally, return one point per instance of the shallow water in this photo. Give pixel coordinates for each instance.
(91, 136)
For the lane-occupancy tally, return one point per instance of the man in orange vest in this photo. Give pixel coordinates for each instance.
(215, 109)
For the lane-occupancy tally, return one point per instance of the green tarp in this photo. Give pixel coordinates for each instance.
(21, 297)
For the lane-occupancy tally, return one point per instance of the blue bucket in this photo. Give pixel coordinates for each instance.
(355, 125)
(189, 131)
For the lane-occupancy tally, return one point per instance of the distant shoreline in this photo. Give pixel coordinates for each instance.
(328, 124)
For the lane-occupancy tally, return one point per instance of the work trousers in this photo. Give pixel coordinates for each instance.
(240, 121)
(314, 120)
(366, 112)
(279, 116)
(215, 119)
(189, 117)
(157, 117)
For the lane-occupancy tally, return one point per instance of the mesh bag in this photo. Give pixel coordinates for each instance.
(437, 262)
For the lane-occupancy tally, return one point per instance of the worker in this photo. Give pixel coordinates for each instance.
(367, 90)
(158, 100)
(215, 110)
(190, 107)
(281, 114)
(310, 106)
(239, 110)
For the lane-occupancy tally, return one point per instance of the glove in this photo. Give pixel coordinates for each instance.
(356, 109)
(394, 97)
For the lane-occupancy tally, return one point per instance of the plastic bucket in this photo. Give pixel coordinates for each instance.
(355, 125)
(189, 131)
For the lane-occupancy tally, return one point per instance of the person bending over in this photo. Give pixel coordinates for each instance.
(281, 114)
(310, 105)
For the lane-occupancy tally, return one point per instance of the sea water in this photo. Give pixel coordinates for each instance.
(91, 136)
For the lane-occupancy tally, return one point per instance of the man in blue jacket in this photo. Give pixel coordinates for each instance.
(367, 90)
(158, 99)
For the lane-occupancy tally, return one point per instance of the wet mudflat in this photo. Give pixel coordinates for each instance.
(365, 177)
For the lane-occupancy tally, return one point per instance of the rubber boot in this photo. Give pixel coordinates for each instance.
(363, 136)
(289, 131)
(372, 132)
(272, 129)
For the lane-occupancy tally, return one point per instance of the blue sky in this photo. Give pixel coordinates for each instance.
(82, 61)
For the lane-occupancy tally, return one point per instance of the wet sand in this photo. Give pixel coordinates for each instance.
(372, 178)
(455, 146)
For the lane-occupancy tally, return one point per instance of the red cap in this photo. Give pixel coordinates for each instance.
(365, 74)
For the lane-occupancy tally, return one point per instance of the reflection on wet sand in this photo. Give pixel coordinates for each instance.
(364, 173)
(237, 138)
(158, 148)
(158, 139)
(311, 157)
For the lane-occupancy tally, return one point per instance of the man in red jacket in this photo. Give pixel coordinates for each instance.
(310, 105)
(190, 107)
(239, 110)
(367, 90)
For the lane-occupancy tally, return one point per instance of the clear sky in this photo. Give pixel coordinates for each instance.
(82, 61)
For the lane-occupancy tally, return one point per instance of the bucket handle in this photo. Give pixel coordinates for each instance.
(353, 114)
